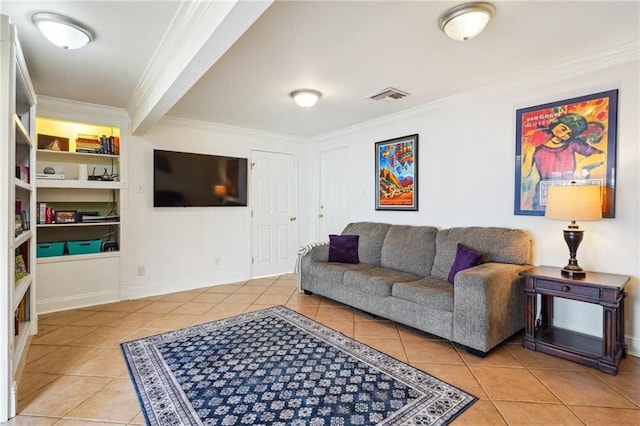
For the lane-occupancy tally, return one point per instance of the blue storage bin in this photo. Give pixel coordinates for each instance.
(83, 247)
(50, 249)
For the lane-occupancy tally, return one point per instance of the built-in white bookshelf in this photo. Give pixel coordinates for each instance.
(17, 250)
(81, 205)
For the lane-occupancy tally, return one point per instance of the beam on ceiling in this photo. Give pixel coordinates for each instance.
(199, 35)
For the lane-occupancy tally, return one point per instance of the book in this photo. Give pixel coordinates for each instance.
(90, 218)
(48, 176)
(42, 213)
(48, 217)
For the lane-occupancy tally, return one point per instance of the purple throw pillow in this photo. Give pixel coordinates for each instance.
(343, 248)
(465, 259)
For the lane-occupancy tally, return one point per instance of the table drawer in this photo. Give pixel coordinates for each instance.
(568, 289)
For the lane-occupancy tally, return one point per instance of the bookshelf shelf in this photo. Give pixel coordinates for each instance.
(21, 288)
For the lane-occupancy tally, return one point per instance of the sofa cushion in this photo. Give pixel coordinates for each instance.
(334, 272)
(410, 249)
(371, 239)
(465, 258)
(433, 292)
(343, 248)
(375, 281)
(500, 245)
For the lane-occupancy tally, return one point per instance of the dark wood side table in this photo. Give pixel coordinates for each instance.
(606, 290)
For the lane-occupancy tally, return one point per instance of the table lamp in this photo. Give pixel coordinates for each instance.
(574, 202)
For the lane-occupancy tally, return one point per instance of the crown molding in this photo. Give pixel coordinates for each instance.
(582, 66)
(64, 109)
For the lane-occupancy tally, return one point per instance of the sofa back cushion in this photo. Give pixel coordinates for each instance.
(410, 249)
(371, 236)
(500, 245)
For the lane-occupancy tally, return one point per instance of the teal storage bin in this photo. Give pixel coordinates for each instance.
(50, 249)
(83, 247)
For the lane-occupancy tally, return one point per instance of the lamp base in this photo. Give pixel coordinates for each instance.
(573, 271)
(573, 238)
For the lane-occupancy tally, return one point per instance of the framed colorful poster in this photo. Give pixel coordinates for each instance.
(397, 174)
(573, 140)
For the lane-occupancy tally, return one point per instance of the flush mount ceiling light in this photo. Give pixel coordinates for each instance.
(466, 21)
(62, 31)
(306, 97)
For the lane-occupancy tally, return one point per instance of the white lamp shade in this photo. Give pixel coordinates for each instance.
(306, 98)
(574, 202)
(62, 31)
(466, 21)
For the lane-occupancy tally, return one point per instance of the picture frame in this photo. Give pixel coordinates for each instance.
(572, 140)
(66, 216)
(20, 268)
(52, 143)
(397, 174)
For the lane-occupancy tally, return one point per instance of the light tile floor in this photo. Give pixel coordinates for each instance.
(75, 373)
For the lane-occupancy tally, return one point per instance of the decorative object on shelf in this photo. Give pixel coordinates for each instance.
(18, 225)
(21, 268)
(83, 172)
(466, 21)
(53, 143)
(397, 173)
(559, 142)
(574, 202)
(305, 98)
(24, 219)
(66, 216)
(22, 173)
(62, 31)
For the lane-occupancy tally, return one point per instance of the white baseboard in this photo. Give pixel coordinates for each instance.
(173, 287)
(633, 346)
(77, 301)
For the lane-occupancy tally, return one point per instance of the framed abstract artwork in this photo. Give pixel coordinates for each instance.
(397, 174)
(573, 140)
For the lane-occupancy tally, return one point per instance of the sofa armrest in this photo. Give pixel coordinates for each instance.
(488, 304)
(319, 252)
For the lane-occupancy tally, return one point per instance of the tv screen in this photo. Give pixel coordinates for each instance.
(182, 179)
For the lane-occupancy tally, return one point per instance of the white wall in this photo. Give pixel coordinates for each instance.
(466, 175)
(177, 246)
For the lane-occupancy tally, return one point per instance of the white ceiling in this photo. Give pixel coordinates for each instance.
(347, 50)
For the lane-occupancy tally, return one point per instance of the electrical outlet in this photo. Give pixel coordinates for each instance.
(141, 271)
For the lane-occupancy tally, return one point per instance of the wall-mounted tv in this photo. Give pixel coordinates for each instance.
(182, 179)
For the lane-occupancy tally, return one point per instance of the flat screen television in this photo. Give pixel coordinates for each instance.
(183, 179)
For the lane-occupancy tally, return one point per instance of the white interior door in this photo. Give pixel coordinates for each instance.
(333, 206)
(274, 221)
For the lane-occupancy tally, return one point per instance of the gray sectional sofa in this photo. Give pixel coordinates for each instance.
(402, 276)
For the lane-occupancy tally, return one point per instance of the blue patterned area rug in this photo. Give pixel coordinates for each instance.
(277, 367)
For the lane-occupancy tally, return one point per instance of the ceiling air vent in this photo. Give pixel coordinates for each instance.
(389, 95)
